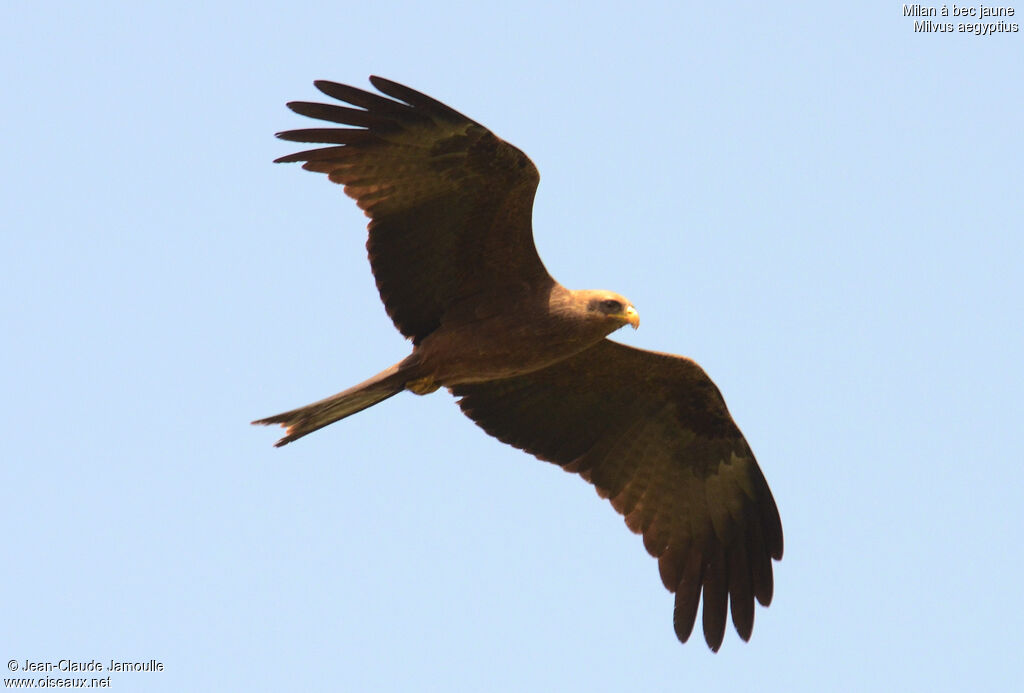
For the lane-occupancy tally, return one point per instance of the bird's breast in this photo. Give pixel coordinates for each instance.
(497, 348)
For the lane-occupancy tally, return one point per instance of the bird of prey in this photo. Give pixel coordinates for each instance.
(451, 248)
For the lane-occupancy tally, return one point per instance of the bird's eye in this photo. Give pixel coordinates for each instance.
(612, 306)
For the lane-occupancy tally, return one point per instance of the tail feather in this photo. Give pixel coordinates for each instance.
(305, 420)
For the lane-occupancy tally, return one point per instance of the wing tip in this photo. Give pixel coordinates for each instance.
(377, 81)
(324, 84)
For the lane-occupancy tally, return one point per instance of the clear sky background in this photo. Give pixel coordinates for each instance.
(819, 205)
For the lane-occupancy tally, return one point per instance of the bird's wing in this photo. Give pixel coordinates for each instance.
(652, 433)
(450, 204)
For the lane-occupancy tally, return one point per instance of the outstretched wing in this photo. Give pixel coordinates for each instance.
(450, 204)
(652, 433)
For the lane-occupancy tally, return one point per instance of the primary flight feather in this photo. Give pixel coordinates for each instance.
(451, 249)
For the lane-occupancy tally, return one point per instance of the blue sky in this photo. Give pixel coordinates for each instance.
(819, 205)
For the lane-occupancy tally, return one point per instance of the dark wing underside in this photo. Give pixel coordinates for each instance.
(450, 204)
(652, 433)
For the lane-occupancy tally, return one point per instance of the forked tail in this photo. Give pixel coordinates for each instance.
(305, 420)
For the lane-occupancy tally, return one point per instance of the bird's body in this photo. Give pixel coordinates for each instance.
(486, 337)
(451, 247)
(538, 330)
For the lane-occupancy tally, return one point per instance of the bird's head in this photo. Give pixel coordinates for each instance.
(611, 308)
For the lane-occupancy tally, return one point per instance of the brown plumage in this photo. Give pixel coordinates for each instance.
(451, 247)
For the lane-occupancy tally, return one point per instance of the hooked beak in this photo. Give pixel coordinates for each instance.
(632, 317)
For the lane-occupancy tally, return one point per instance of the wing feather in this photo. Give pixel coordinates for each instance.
(653, 434)
(450, 204)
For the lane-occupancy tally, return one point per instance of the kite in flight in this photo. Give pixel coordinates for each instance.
(451, 249)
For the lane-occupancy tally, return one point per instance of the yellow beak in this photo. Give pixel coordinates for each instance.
(632, 317)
